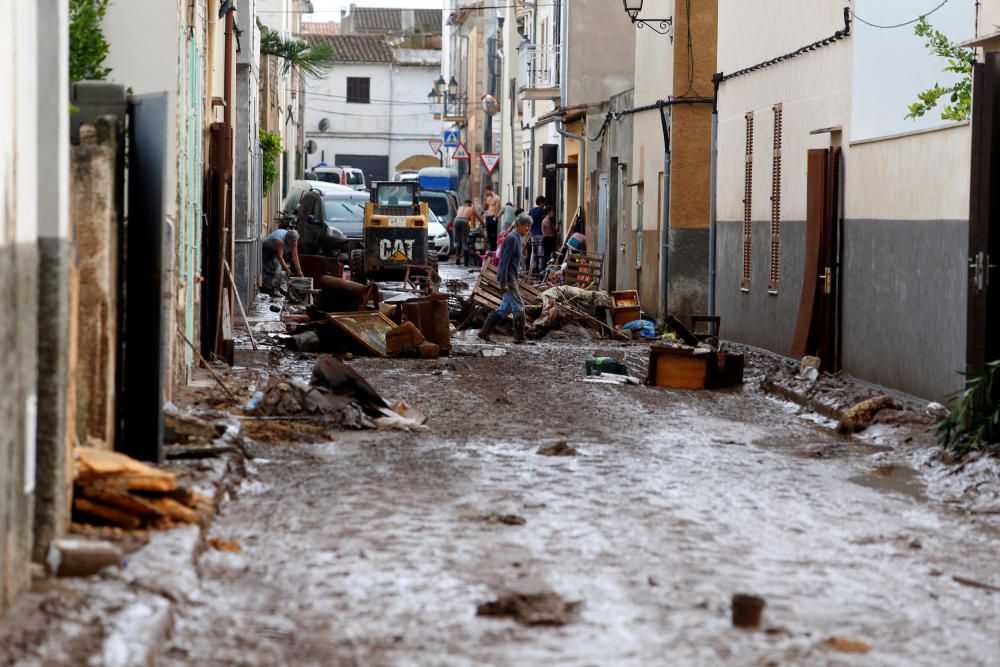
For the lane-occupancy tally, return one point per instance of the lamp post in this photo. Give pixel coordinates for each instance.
(663, 26)
(443, 98)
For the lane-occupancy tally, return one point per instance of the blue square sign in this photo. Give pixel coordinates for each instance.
(450, 138)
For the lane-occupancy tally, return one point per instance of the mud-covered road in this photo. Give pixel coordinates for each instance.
(377, 549)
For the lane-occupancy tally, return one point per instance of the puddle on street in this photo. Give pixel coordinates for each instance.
(894, 479)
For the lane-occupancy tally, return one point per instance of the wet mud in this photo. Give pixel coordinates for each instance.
(381, 548)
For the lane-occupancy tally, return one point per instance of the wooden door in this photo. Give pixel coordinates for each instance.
(817, 329)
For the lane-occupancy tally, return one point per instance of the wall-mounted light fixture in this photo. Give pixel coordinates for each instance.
(663, 26)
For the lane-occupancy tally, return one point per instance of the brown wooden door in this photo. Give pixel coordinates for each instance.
(983, 332)
(816, 331)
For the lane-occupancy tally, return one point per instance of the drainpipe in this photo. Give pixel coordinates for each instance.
(581, 168)
(665, 225)
(713, 170)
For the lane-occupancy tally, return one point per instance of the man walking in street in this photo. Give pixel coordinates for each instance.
(461, 226)
(536, 263)
(492, 207)
(507, 274)
(278, 248)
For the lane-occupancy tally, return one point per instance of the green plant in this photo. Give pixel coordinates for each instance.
(270, 144)
(959, 61)
(312, 60)
(975, 421)
(87, 46)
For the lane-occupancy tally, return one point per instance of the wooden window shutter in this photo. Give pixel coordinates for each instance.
(748, 205)
(772, 284)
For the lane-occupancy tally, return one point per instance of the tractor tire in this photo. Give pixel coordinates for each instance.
(358, 266)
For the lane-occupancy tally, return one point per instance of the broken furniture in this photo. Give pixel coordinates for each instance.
(367, 328)
(625, 307)
(686, 367)
(430, 314)
(583, 271)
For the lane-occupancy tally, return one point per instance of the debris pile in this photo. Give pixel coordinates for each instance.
(117, 490)
(531, 608)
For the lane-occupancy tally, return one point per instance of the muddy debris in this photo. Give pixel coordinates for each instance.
(222, 544)
(277, 432)
(506, 519)
(747, 610)
(531, 608)
(560, 448)
(859, 416)
(846, 645)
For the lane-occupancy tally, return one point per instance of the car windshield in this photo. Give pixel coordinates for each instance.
(436, 203)
(338, 210)
(355, 178)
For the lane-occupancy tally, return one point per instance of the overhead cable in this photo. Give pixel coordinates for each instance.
(904, 23)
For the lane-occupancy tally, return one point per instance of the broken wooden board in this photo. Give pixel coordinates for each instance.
(118, 471)
(488, 294)
(105, 513)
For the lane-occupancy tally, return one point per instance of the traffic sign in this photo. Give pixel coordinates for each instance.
(451, 138)
(490, 161)
(435, 145)
(461, 153)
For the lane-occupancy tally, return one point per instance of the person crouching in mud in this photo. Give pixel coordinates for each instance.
(507, 274)
(277, 249)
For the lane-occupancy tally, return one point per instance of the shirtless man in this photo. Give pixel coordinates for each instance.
(492, 206)
(460, 228)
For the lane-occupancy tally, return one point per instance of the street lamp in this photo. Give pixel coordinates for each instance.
(663, 26)
(443, 97)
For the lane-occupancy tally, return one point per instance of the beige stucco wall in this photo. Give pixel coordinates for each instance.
(601, 50)
(923, 176)
(814, 90)
(989, 17)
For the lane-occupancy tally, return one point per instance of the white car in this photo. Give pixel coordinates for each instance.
(437, 236)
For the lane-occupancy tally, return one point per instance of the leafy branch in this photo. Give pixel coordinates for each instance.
(975, 421)
(270, 144)
(959, 61)
(312, 60)
(87, 46)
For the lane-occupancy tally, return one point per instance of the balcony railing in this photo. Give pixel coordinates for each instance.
(539, 70)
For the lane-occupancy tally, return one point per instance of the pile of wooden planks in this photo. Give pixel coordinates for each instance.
(583, 270)
(114, 489)
(487, 292)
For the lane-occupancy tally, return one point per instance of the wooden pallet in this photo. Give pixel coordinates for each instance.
(583, 270)
(487, 292)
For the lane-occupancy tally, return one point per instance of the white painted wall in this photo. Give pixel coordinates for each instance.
(891, 66)
(396, 123)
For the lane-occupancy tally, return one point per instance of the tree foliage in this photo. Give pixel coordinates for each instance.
(87, 46)
(959, 61)
(270, 144)
(312, 60)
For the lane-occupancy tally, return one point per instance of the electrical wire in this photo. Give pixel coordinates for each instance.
(899, 25)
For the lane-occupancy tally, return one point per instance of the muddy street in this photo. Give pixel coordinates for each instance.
(379, 547)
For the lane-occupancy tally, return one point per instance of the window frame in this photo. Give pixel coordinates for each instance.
(357, 99)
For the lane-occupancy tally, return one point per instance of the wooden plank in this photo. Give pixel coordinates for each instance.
(118, 471)
(109, 514)
(121, 500)
(174, 510)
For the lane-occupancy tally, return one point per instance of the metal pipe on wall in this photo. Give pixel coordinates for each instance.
(664, 276)
(712, 229)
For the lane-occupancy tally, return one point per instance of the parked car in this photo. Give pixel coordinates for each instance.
(444, 205)
(406, 175)
(329, 219)
(438, 236)
(297, 188)
(355, 178)
(335, 175)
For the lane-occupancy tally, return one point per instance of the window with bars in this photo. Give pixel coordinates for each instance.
(748, 205)
(358, 90)
(775, 268)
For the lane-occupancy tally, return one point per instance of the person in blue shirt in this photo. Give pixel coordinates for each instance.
(277, 249)
(507, 275)
(536, 263)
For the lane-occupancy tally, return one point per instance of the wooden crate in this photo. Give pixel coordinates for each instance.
(679, 368)
(583, 270)
(625, 307)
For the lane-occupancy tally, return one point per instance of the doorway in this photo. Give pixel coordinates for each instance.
(817, 328)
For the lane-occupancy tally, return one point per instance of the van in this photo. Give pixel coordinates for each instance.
(335, 175)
